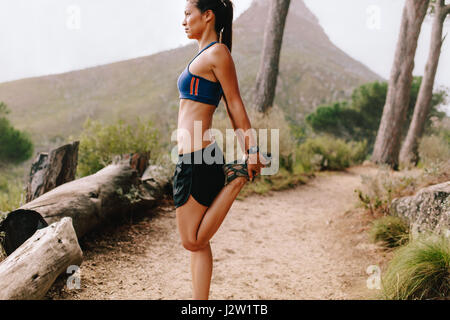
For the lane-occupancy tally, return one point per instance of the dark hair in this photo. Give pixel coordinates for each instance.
(223, 11)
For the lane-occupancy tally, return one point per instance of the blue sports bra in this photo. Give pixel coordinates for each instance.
(197, 88)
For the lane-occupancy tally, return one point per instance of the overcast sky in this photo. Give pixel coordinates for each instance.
(40, 37)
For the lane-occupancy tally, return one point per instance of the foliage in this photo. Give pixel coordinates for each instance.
(337, 119)
(436, 172)
(100, 143)
(435, 146)
(419, 270)
(299, 131)
(390, 231)
(267, 126)
(132, 195)
(378, 191)
(12, 194)
(3, 110)
(15, 145)
(359, 119)
(282, 180)
(12, 186)
(433, 149)
(328, 153)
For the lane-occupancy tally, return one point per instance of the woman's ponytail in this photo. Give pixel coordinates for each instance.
(227, 28)
(223, 11)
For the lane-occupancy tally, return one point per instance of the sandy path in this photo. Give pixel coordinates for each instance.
(304, 243)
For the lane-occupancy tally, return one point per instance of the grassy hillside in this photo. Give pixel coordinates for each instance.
(312, 71)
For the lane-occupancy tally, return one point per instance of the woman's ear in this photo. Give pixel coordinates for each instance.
(208, 14)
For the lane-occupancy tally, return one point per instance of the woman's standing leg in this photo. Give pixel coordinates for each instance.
(190, 217)
(201, 269)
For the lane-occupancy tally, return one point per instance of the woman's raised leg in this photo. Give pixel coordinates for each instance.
(197, 223)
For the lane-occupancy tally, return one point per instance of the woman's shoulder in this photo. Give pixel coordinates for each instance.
(219, 48)
(220, 53)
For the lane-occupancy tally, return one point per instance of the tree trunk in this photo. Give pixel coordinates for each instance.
(30, 271)
(92, 200)
(266, 80)
(409, 150)
(387, 143)
(50, 171)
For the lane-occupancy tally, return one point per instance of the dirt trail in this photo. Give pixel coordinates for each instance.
(304, 243)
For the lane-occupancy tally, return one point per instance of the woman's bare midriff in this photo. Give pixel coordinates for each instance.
(192, 112)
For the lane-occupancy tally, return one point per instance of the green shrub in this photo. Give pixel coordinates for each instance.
(419, 270)
(100, 143)
(274, 119)
(436, 172)
(328, 153)
(284, 179)
(15, 146)
(391, 231)
(337, 119)
(12, 183)
(434, 145)
(359, 118)
(3, 184)
(434, 149)
(378, 190)
(12, 196)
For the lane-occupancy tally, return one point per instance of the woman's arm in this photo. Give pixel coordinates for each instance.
(225, 71)
(239, 133)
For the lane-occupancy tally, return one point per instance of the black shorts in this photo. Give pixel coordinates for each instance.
(200, 174)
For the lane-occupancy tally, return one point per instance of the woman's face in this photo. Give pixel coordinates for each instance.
(193, 22)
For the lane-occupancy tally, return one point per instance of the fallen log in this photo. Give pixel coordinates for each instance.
(30, 270)
(89, 201)
(110, 193)
(51, 170)
(138, 161)
(156, 182)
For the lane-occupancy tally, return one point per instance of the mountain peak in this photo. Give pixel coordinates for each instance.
(300, 21)
(297, 7)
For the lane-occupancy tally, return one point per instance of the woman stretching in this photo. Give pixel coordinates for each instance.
(204, 187)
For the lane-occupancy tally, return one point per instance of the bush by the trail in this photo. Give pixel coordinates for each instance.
(339, 120)
(435, 147)
(15, 146)
(328, 153)
(100, 143)
(390, 231)
(12, 191)
(378, 191)
(12, 194)
(359, 118)
(263, 124)
(419, 270)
